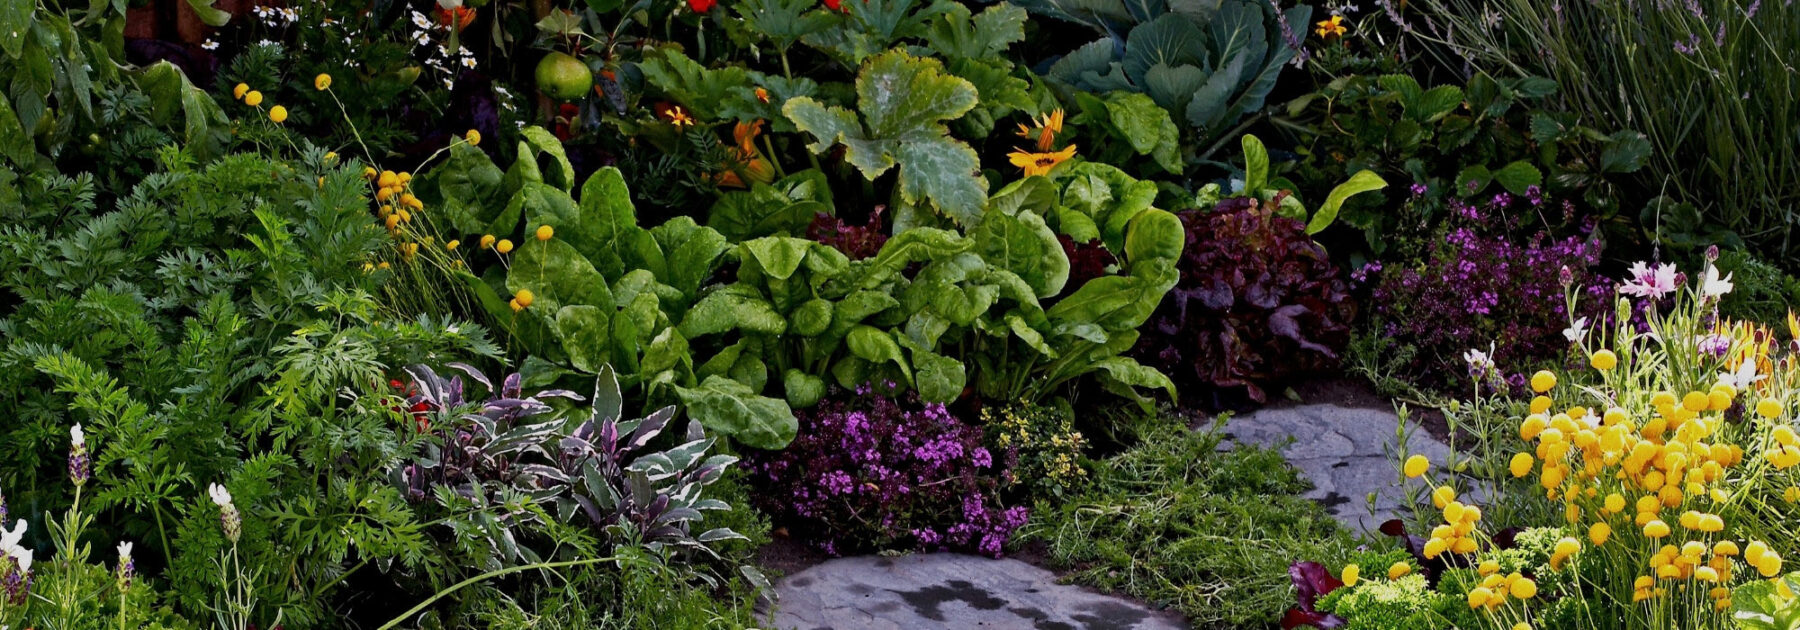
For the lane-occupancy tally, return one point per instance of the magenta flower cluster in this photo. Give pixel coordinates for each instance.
(869, 471)
(1492, 278)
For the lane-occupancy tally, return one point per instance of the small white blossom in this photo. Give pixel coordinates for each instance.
(1576, 332)
(219, 494)
(1744, 377)
(468, 62)
(209, 44)
(76, 437)
(419, 20)
(1712, 285)
(125, 550)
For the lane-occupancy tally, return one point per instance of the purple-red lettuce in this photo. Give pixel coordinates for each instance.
(1258, 302)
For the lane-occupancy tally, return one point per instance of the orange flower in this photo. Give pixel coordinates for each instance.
(1333, 27)
(458, 18)
(673, 114)
(762, 95)
(1046, 129)
(1042, 162)
(750, 162)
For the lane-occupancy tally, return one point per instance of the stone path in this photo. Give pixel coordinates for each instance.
(946, 590)
(1344, 452)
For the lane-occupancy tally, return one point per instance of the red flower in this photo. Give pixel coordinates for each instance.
(835, 5)
(702, 6)
(458, 18)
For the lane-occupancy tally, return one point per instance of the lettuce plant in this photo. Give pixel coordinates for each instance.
(1258, 301)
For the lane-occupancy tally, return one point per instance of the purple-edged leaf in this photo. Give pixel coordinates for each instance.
(472, 373)
(512, 386)
(1311, 582)
(1285, 322)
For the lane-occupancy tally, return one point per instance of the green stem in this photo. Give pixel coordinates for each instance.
(487, 576)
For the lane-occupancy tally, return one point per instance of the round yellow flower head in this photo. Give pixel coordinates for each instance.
(253, 98)
(1725, 548)
(1540, 404)
(1769, 565)
(239, 91)
(1351, 572)
(524, 297)
(1599, 533)
(1604, 360)
(516, 306)
(1696, 401)
(487, 240)
(1442, 496)
(544, 232)
(1615, 502)
(1521, 464)
(452, 245)
(1784, 435)
(1542, 381)
(278, 114)
(1479, 596)
(1416, 466)
(383, 265)
(1567, 546)
(322, 82)
(1521, 626)
(1523, 588)
(1656, 529)
(1401, 569)
(505, 246)
(1768, 408)
(472, 136)
(387, 179)
(369, 173)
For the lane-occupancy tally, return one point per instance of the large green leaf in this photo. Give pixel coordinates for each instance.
(1019, 241)
(877, 346)
(802, 389)
(557, 275)
(732, 307)
(541, 141)
(786, 207)
(733, 409)
(1256, 165)
(1147, 128)
(608, 221)
(15, 144)
(958, 34)
(938, 378)
(470, 189)
(1123, 374)
(1169, 40)
(706, 92)
(782, 22)
(586, 335)
(1118, 302)
(1154, 234)
(15, 21)
(903, 102)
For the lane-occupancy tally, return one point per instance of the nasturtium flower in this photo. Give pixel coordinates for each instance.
(1416, 466)
(239, 91)
(278, 114)
(253, 98)
(544, 232)
(1542, 381)
(505, 246)
(322, 82)
(1604, 360)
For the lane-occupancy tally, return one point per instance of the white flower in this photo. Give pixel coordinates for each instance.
(1713, 286)
(22, 556)
(1480, 363)
(419, 20)
(125, 550)
(10, 540)
(448, 84)
(76, 437)
(210, 44)
(1744, 377)
(468, 61)
(219, 494)
(423, 38)
(1576, 332)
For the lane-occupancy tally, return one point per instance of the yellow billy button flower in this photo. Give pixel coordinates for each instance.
(1768, 408)
(524, 297)
(1599, 533)
(1656, 529)
(1479, 596)
(1442, 496)
(369, 173)
(1351, 573)
(1401, 569)
(1540, 404)
(1416, 466)
(1521, 626)
(322, 82)
(487, 241)
(1696, 401)
(516, 306)
(544, 232)
(253, 98)
(387, 179)
(505, 246)
(409, 249)
(383, 265)
(1521, 464)
(452, 245)
(239, 91)
(1523, 588)
(1769, 565)
(1542, 381)
(278, 114)
(472, 136)
(1604, 360)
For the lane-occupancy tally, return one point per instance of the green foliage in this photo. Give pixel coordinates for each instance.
(1176, 522)
(1768, 604)
(1208, 65)
(1760, 292)
(1048, 446)
(1383, 604)
(1470, 141)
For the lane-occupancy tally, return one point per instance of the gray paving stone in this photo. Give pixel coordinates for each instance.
(1346, 453)
(944, 590)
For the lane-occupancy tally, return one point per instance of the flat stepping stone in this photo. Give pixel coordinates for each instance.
(1346, 452)
(947, 590)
